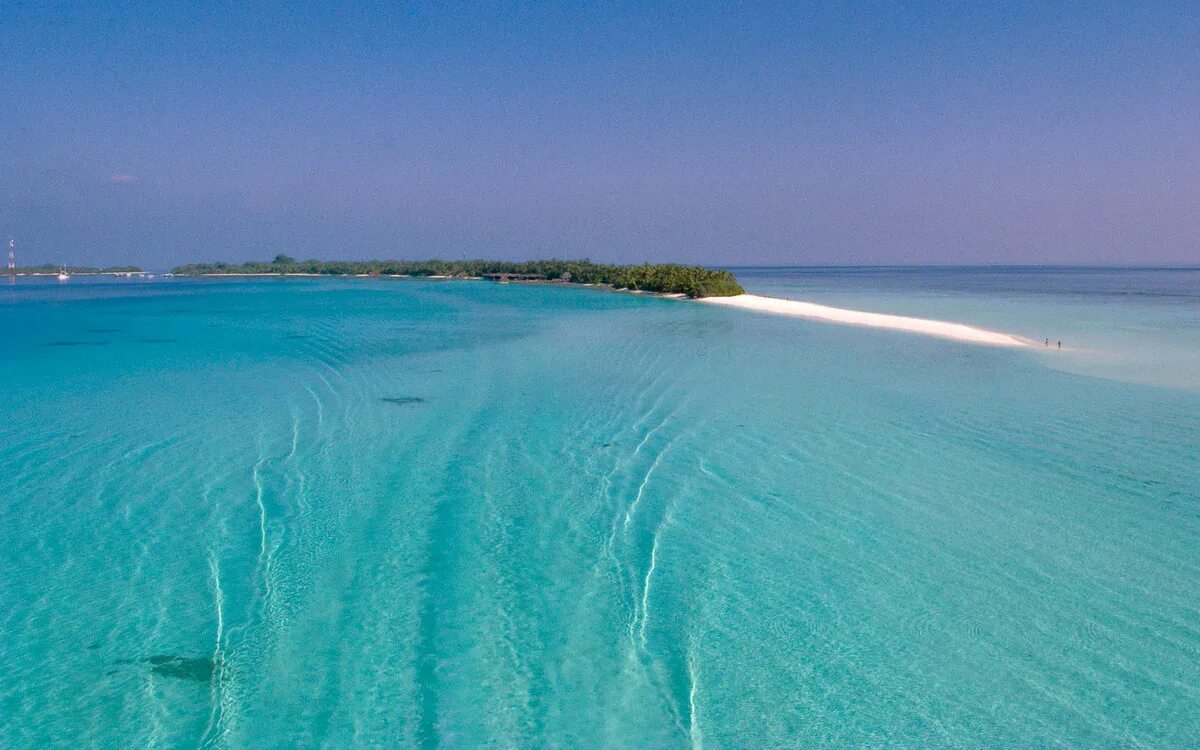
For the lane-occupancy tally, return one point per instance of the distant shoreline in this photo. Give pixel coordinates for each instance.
(524, 282)
(81, 273)
(662, 278)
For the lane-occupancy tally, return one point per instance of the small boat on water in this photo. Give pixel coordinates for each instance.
(62, 274)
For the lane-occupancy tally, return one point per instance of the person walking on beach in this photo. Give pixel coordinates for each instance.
(1047, 343)
(1060, 343)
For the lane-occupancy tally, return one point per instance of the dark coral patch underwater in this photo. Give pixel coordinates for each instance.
(198, 669)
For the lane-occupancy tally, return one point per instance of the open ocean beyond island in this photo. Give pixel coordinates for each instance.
(266, 513)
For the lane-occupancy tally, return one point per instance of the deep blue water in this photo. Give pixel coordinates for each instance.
(265, 513)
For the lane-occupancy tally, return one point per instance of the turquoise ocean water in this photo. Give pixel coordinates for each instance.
(266, 513)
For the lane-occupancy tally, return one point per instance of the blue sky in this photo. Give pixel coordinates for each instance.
(721, 133)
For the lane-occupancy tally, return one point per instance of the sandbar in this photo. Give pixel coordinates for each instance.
(813, 311)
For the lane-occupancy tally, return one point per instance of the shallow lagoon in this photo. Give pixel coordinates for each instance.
(269, 512)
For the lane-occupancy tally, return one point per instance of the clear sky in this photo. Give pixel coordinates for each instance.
(725, 133)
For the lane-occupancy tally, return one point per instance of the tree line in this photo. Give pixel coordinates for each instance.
(666, 278)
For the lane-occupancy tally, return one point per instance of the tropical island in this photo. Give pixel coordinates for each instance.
(52, 269)
(660, 278)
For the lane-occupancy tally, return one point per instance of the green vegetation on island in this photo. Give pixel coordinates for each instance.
(49, 269)
(663, 278)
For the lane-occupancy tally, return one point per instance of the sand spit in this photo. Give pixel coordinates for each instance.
(941, 328)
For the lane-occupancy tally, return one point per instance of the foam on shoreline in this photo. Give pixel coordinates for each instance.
(941, 328)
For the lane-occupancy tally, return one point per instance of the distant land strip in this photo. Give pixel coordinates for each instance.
(660, 278)
(50, 269)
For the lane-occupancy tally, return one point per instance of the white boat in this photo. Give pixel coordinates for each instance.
(62, 273)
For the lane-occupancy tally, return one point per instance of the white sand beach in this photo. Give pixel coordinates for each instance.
(944, 329)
